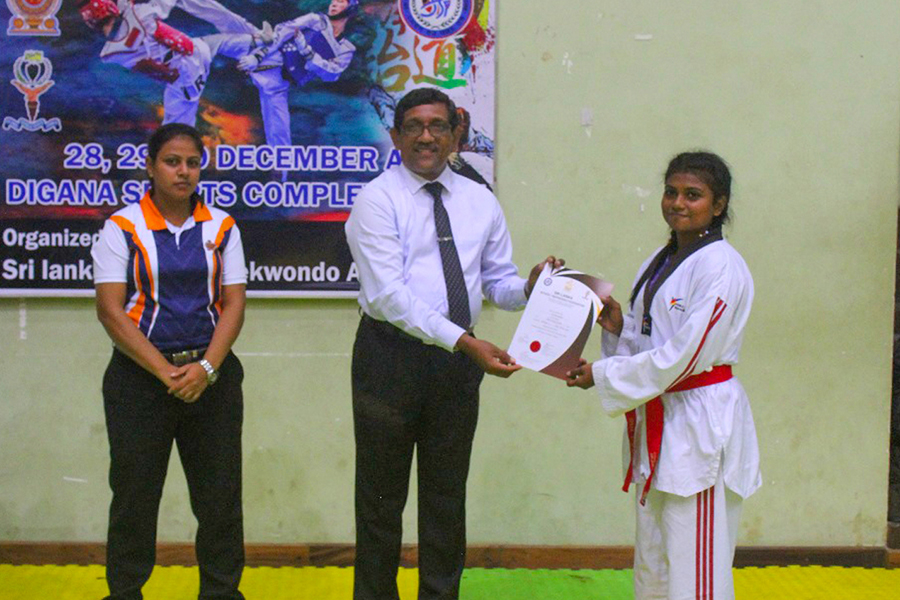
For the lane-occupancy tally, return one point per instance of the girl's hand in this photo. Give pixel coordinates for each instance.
(581, 376)
(610, 317)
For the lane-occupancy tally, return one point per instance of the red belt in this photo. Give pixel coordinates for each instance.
(654, 417)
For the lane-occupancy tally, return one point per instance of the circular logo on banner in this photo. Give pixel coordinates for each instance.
(436, 19)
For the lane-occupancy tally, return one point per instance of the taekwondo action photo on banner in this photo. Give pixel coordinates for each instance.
(294, 100)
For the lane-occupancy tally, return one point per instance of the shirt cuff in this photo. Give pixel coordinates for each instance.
(520, 298)
(447, 335)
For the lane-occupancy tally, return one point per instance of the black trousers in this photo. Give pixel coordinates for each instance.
(408, 395)
(142, 421)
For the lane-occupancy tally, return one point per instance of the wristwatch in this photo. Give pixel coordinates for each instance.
(211, 374)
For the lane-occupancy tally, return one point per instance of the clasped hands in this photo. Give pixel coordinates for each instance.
(187, 382)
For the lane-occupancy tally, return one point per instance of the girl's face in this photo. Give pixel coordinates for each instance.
(176, 170)
(689, 205)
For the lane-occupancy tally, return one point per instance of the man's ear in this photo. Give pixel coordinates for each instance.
(457, 135)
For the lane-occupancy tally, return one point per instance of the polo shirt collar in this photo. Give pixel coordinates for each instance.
(201, 213)
(155, 221)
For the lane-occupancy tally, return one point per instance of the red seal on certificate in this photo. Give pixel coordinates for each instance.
(558, 320)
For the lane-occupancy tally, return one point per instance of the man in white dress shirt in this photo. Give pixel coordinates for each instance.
(429, 245)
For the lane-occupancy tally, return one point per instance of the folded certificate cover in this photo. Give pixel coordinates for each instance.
(558, 319)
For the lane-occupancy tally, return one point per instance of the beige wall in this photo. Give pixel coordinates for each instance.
(800, 97)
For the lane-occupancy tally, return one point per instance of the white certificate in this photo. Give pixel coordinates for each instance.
(558, 319)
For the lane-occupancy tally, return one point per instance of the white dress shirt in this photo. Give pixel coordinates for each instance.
(392, 238)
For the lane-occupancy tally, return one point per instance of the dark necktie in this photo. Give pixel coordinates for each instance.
(457, 295)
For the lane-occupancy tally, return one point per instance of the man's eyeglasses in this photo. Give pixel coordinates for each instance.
(416, 128)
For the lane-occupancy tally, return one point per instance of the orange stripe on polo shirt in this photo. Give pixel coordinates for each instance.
(227, 224)
(137, 310)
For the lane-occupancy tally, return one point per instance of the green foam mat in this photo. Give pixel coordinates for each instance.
(527, 584)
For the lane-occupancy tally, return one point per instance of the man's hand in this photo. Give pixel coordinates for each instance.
(189, 382)
(610, 317)
(554, 262)
(248, 63)
(303, 46)
(493, 360)
(581, 376)
(265, 35)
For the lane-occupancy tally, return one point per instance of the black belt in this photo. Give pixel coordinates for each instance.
(184, 357)
(393, 330)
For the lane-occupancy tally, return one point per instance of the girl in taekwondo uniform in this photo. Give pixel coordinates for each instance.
(170, 279)
(690, 443)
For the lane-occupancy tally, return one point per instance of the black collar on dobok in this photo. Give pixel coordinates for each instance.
(660, 268)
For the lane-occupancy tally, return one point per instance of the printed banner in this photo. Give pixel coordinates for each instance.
(294, 100)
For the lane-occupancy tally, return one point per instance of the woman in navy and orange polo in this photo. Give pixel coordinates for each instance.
(171, 280)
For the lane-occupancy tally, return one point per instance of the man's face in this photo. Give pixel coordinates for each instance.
(337, 7)
(425, 139)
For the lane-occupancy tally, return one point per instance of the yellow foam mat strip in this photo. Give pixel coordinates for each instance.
(333, 583)
(70, 582)
(817, 583)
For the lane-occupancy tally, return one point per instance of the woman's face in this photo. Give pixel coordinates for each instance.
(689, 205)
(176, 170)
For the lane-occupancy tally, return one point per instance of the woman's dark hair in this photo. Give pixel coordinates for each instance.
(168, 132)
(421, 96)
(712, 170)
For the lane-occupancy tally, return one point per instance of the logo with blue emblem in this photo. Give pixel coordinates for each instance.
(436, 19)
(32, 73)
